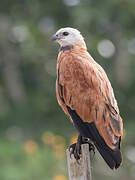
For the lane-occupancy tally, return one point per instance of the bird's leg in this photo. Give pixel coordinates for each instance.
(75, 148)
(88, 141)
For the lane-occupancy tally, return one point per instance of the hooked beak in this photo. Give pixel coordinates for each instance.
(54, 37)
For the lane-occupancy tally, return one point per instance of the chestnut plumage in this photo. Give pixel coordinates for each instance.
(86, 96)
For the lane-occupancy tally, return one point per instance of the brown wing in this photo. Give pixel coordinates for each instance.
(83, 86)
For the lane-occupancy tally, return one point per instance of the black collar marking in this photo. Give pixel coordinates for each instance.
(65, 48)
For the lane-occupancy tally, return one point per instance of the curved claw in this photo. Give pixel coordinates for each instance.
(72, 149)
(91, 148)
(75, 149)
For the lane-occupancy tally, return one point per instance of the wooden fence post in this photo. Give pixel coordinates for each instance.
(81, 171)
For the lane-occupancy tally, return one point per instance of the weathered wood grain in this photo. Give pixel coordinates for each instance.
(81, 170)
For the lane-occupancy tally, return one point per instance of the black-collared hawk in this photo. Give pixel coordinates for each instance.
(85, 94)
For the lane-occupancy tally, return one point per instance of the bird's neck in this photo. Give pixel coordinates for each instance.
(79, 46)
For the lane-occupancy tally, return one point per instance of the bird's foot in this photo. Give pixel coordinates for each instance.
(75, 148)
(91, 146)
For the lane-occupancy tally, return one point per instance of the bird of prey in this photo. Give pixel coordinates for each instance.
(85, 94)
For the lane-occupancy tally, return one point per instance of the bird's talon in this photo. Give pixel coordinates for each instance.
(75, 149)
(91, 148)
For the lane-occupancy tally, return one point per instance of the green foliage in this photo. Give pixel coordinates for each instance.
(25, 161)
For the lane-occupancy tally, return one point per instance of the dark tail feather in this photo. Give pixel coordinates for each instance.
(112, 157)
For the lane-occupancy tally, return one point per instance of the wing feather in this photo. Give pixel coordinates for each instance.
(87, 90)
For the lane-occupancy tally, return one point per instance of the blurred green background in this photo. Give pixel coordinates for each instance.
(34, 132)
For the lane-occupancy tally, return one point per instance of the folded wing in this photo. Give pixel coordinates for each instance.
(83, 86)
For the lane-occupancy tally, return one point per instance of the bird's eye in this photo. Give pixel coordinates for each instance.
(65, 33)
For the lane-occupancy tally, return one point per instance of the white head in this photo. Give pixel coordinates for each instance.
(67, 36)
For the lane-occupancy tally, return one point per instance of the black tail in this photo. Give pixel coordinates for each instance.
(112, 157)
